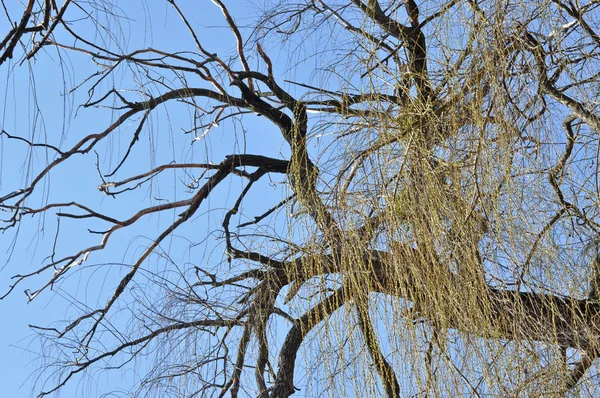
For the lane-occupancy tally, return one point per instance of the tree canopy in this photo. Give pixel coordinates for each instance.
(362, 198)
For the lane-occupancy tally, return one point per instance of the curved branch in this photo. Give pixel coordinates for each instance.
(284, 383)
(383, 367)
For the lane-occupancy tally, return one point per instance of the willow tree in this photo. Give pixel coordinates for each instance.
(392, 198)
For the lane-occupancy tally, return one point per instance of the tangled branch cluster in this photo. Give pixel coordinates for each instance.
(434, 223)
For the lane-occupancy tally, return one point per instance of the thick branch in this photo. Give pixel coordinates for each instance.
(284, 383)
(383, 367)
(500, 313)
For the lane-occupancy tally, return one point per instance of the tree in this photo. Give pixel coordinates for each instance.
(429, 225)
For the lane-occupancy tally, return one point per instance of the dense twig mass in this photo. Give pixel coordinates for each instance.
(433, 226)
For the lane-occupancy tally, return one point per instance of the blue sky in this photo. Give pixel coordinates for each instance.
(36, 103)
